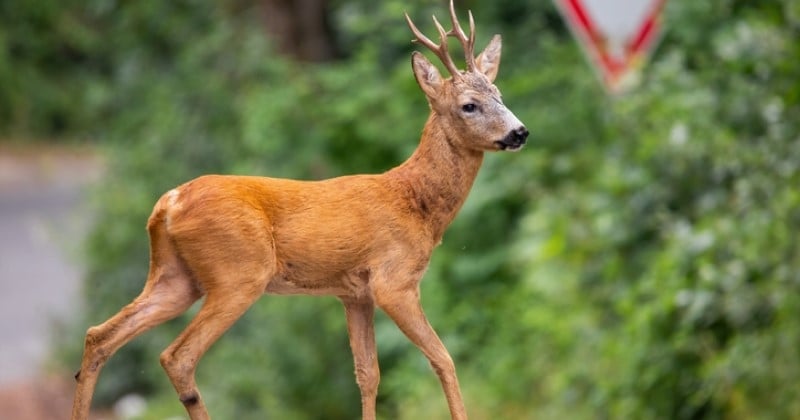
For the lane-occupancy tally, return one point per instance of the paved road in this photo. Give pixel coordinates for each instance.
(43, 219)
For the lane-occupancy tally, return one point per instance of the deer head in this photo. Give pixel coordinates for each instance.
(470, 105)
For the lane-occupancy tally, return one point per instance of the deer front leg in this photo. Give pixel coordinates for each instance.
(361, 330)
(404, 308)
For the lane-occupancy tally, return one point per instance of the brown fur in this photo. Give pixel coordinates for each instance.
(365, 239)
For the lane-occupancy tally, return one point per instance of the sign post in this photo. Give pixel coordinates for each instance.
(616, 35)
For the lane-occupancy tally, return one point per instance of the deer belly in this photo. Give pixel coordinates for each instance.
(353, 283)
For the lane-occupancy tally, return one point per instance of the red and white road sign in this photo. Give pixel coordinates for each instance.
(617, 35)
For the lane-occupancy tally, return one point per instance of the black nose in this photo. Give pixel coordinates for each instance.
(520, 135)
(513, 140)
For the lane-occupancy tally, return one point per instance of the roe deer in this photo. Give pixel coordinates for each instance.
(366, 239)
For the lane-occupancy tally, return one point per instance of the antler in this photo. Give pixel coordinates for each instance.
(467, 42)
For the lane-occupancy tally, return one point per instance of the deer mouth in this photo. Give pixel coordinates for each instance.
(501, 145)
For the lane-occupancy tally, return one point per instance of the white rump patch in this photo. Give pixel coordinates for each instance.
(172, 197)
(172, 204)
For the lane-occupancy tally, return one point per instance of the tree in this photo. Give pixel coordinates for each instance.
(301, 29)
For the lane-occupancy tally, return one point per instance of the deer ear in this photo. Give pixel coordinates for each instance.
(427, 75)
(488, 61)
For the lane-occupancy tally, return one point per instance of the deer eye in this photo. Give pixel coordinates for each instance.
(470, 107)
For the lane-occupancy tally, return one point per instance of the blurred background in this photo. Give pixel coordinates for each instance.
(638, 259)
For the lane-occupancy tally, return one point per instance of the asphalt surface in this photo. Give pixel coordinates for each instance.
(43, 220)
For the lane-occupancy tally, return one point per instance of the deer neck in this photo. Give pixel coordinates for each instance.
(437, 178)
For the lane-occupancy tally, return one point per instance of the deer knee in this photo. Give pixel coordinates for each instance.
(443, 365)
(95, 352)
(175, 367)
(170, 363)
(368, 377)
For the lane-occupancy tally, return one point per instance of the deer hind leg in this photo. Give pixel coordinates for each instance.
(219, 311)
(405, 310)
(234, 274)
(168, 292)
(229, 251)
(360, 327)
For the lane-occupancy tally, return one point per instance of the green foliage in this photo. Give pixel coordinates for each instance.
(637, 260)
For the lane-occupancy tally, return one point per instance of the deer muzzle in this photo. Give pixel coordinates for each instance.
(514, 140)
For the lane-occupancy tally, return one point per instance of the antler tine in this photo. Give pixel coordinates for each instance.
(439, 49)
(471, 33)
(468, 43)
(448, 61)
